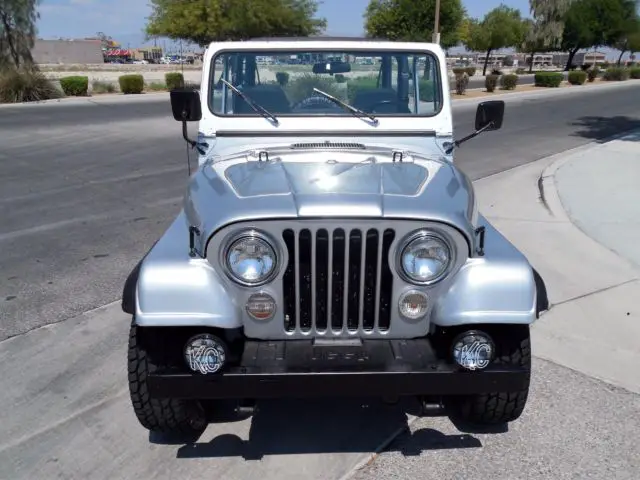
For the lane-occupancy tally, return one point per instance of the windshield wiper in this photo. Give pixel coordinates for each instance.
(256, 107)
(355, 111)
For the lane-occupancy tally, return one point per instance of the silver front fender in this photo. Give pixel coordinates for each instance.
(174, 289)
(499, 287)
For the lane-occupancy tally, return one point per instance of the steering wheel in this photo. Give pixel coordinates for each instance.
(314, 102)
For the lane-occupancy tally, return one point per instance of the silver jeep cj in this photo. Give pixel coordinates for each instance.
(328, 245)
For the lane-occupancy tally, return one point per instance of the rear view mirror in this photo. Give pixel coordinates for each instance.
(331, 67)
(489, 115)
(185, 105)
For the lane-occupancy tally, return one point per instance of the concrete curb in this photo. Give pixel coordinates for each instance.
(547, 182)
(96, 99)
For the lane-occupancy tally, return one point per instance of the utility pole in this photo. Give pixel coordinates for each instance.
(436, 26)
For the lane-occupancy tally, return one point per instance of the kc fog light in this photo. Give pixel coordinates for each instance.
(473, 350)
(413, 304)
(261, 306)
(205, 353)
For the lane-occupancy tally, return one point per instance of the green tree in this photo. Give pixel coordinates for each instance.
(502, 27)
(205, 21)
(17, 32)
(533, 41)
(595, 23)
(624, 34)
(413, 21)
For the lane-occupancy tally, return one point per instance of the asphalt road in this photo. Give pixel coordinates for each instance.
(84, 192)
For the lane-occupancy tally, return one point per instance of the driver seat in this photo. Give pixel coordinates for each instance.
(271, 97)
(369, 98)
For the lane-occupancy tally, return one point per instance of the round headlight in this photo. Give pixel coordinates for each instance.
(251, 260)
(425, 259)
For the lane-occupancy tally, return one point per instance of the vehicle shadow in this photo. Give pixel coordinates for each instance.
(600, 128)
(330, 426)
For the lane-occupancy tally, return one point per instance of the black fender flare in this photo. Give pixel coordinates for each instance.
(542, 299)
(128, 302)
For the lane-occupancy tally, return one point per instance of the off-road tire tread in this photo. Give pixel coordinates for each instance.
(502, 407)
(166, 416)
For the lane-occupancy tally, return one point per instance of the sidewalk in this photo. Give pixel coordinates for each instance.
(576, 216)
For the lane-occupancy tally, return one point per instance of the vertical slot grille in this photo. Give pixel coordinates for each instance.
(337, 281)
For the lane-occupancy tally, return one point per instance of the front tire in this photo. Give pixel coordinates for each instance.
(167, 416)
(513, 347)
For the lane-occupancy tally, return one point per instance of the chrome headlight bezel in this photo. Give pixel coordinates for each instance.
(420, 235)
(252, 234)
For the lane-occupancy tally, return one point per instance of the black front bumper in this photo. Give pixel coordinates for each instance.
(272, 369)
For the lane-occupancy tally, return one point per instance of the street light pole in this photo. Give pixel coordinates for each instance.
(436, 26)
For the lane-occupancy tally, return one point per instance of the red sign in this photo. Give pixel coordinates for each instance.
(118, 52)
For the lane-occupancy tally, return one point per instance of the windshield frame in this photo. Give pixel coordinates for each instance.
(364, 51)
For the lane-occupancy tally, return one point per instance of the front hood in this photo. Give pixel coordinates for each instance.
(316, 188)
(329, 184)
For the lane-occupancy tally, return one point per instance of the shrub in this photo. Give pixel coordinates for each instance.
(29, 85)
(521, 71)
(98, 86)
(491, 82)
(340, 78)
(635, 73)
(282, 78)
(617, 74)
(361, 83)
(548, 79)
(593, 74)
(496, 71)
(157, 87)
(426, 93)
(471, 71)
(75, 86)
(174, 80)
(462, 80)
(586, 66)
(458, 70)
(509, 82)
(577, 77)
(302, 87)
(131, 83)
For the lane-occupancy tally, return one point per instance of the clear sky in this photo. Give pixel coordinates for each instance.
(125, 19)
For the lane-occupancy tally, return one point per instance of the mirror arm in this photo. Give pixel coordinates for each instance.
(184, 131)
(457, 143)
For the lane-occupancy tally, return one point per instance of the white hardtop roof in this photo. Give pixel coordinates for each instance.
(331, 43)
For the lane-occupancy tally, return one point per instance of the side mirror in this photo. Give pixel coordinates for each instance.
(489, 115)
(185, 105)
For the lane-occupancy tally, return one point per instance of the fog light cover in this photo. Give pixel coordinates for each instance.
(261, 306)
(205, 353)
(413, 304)
(473, 350)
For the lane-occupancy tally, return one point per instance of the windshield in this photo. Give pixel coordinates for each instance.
(380, 83)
